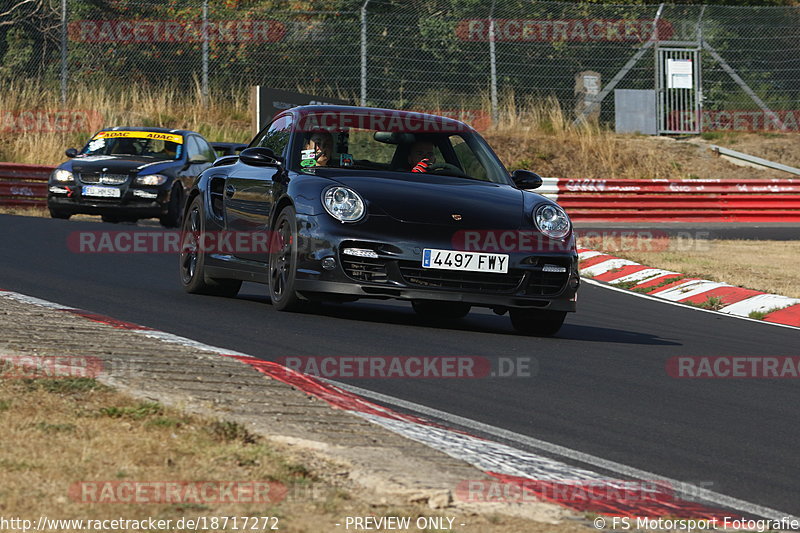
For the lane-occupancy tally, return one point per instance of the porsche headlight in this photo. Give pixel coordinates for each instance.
(62, 176)
(343, 204)
(552, 221)
(151, 180)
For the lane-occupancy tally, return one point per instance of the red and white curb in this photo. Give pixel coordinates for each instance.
(640, 494)
(675, 287)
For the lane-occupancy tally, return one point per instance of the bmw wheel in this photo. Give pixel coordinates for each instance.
(55, 213)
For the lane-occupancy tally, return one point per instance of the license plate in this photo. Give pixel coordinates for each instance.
(104, 192)
(467, 261)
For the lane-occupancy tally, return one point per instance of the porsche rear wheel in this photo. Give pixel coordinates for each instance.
(283, 262)
(193, 259)
(439, 310)
(537, 322)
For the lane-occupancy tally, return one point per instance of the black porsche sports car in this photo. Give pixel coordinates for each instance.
(375, 203)
(124, 174)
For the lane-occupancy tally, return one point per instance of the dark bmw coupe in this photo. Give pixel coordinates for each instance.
(124, 174)
(342, 203)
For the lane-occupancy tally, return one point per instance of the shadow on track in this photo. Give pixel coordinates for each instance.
(398, 313)
(578, 332)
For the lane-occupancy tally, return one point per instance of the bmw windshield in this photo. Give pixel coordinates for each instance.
(155, 145)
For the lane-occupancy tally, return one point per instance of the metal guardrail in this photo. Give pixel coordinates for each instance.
(752, 160)
(24, 185)
(691, 200)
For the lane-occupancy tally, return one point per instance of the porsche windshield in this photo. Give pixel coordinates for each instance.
(448, 151)
(154, 145)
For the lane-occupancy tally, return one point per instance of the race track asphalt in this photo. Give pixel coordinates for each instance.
(600, 386)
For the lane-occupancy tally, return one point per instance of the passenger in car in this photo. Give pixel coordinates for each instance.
(124, 146)
(322, 144)
(421, 156)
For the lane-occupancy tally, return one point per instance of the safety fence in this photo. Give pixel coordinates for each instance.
(690, 200)
(615, 200)
(742, 61)
(23, 185)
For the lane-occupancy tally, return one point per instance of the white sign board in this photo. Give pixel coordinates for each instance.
(679, 74)
(591, 84)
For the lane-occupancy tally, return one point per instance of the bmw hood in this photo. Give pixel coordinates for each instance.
(441, 200)
(120, 164)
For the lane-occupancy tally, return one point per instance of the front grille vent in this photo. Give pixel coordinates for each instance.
(105, 179)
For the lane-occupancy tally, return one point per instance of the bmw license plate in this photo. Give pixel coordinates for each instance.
(467, 261)
(103, 192)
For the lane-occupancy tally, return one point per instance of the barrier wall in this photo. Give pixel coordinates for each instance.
(23, 185)
(691, 200)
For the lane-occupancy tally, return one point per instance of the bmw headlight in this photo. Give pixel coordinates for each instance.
(151, 180)
(552, 221)
(63, 176)
(343, 204)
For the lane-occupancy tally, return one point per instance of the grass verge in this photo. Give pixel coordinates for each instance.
(59, 432)
(25, 211)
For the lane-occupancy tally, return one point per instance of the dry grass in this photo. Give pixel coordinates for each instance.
(533, 134)
(25, 211)
(42, 212)
(100, 435)
(769, 266)
(540, 136)
(57, 432)
(227, 119)
(544, 138)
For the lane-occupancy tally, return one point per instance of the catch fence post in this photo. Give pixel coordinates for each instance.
(64, 71)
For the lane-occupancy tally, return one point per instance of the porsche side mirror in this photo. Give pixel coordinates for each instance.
(525, 179)
(259, 157)
(71, 152)
(198, 159)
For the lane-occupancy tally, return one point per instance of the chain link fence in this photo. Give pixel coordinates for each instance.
(425, 55)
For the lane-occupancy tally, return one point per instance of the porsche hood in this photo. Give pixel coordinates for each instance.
(441, 200)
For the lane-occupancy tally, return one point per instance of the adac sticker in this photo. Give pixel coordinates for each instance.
(171, 137)
(345, 160)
